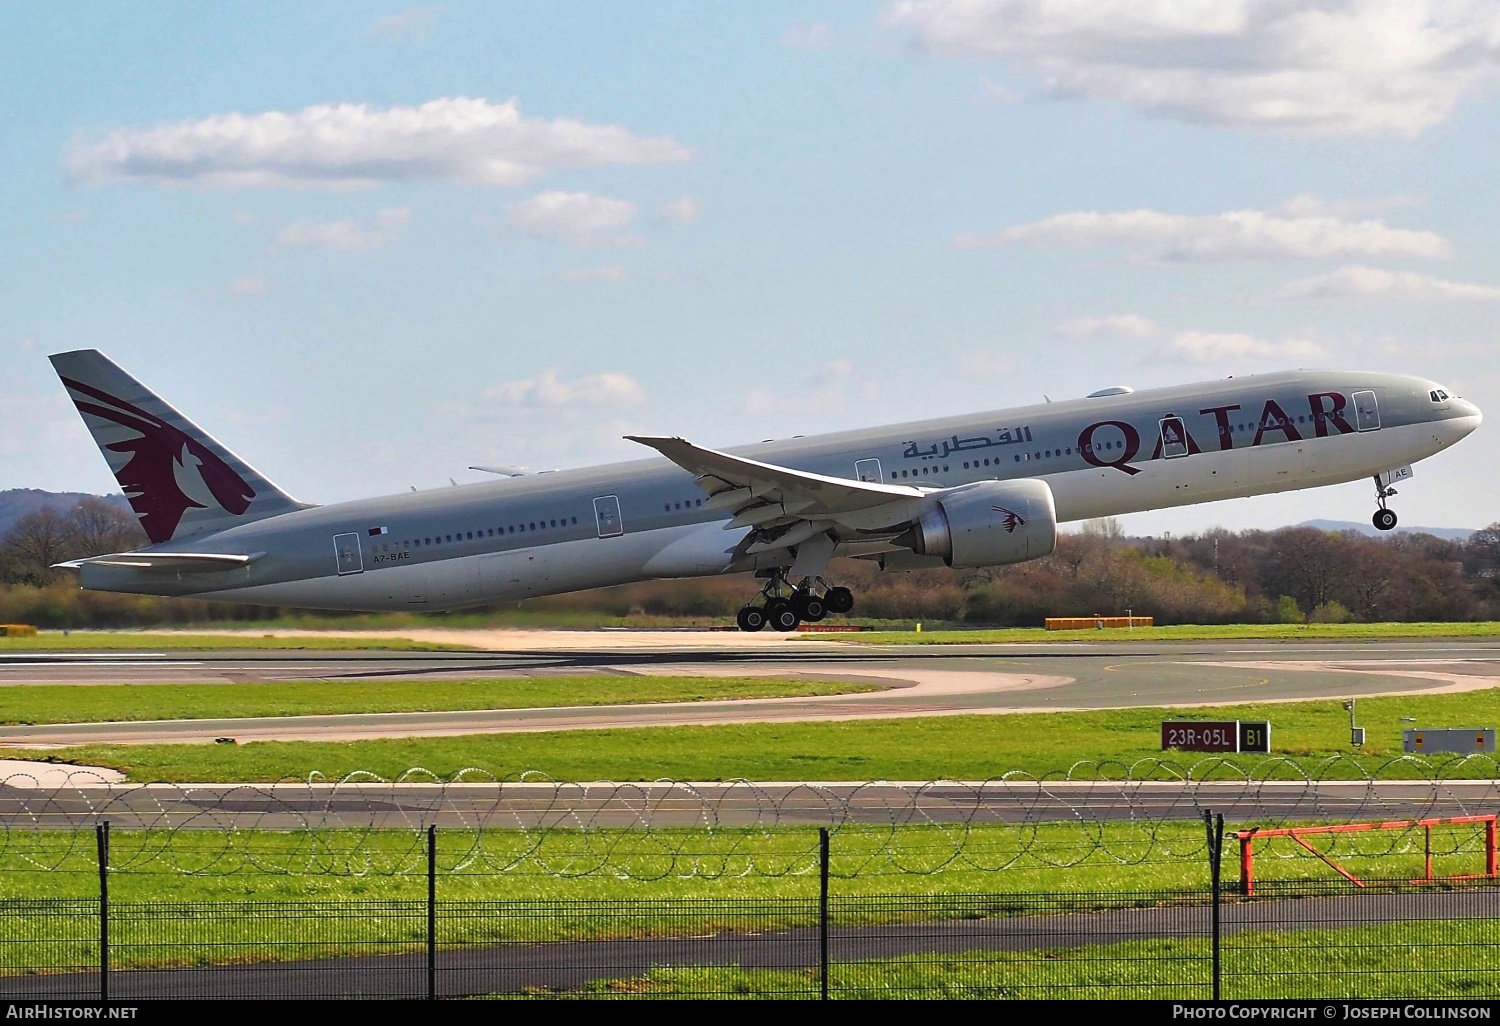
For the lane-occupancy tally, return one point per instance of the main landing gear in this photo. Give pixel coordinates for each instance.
(785, 606)
(1384, 519)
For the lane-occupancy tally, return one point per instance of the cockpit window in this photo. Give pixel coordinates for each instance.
(1437, 395)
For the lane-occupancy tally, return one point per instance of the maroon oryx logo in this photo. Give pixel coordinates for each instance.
(149, 476)
(1011, 519)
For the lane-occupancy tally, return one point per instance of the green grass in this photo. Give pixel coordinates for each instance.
(183, 898)
(1103, 742)
(936, 860)
(91, 641)
(126, 702)
(1182, 632)
(1437, 959)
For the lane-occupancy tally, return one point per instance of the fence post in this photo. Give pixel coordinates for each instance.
(1215, 828)
(431, 911)
(823, 907)
(101, 837)
(1489, 847)
(1247, 864)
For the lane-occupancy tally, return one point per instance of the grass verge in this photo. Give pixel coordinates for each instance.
(129, 702)
(101, 641)
(1093, 743)
(1439, 959)
(1181, 632)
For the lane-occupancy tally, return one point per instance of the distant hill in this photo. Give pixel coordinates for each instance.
(15, 503)
(1365, 527)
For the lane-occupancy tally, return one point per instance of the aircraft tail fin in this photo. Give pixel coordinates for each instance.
(180, 481)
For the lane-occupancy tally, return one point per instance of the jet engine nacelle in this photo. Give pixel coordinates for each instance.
(990, 523)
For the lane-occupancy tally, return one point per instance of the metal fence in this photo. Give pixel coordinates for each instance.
(1323, 938)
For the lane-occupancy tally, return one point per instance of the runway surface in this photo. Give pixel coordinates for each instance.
(540, 806)
(540, 968)
(915, 680)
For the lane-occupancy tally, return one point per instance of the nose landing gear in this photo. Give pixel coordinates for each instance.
(785, 606)
(1384, 519)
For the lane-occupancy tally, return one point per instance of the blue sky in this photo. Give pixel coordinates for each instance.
(368, 246)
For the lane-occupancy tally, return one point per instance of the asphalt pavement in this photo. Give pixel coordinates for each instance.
(914, 681)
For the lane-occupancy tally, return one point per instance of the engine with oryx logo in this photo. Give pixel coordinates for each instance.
(990, 523)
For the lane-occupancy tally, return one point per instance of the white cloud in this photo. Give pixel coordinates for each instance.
(610, 273)
(826, 389)
(1115, 326)
(1226, 347)
(412, 25)
(807, 37)
(1374, 283)
(1328, 67)
(453, 139)
(345, 236)
(683, 209)
(394, 217)
(577, 218)
(1234, 235)
(999, 92)
(249, 286)
(548, 390)
(1308, 205)
(985, 363)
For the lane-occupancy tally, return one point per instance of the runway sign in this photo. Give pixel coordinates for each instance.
(1216, 736)
(1201, 735)
(1255, 737)
(1449, 739)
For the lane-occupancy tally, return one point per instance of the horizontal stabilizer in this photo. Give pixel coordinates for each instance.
(190, 562)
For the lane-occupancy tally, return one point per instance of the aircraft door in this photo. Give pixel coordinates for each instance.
(1366, 411)
(1173, 437)
(347, 555)
(867, 470)
(607, 516)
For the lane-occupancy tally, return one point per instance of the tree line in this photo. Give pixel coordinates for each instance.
(1291, 575)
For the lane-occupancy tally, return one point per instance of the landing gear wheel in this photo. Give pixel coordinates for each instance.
(1384, 519)
(781, 616)
(809, 607)
(751, 618)
(839, 600)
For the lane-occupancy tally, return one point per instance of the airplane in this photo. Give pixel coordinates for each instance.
(986, 489)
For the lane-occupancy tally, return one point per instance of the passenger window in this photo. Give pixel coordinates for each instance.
(554, 523)
(1018, 457)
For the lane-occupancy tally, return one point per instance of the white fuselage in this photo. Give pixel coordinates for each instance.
(1247, 460)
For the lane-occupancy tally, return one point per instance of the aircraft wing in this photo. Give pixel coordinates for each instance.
(192, 562)
(764, 495)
